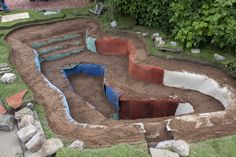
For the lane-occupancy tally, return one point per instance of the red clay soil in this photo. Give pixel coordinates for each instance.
(200, 126)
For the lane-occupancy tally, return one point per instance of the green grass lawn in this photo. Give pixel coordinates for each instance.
(222, 147)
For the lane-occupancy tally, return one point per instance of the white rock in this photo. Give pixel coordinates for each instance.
(162, 42)
(144, 34)
(26, 120)
(162, 153)
(219, 57)
(181, 147)
(26, 133)
(25, 111)
(8, 78)
(195, 51)
(113, 24)
(165, 144)
(77, 145)
(154, 35)
(158, 39)
(35, 143)
(138, 33)
(51, 146)
(173, 43)
(184, 108)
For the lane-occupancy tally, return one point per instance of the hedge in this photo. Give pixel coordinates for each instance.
(192, 22)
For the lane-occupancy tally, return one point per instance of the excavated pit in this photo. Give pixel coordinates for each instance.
(143, 97)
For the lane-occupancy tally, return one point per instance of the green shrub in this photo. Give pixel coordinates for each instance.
(192, 22)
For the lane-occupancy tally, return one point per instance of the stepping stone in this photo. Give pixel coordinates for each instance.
(25, 111)
(6, 122)
(13, 17)
(8, 78)
(15, 101)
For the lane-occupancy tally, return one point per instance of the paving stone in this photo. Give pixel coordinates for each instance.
(13, 17)
(26, 120)
(10, 145)
(6, 122)
(51, 146)
(8, 78)
(15, 101)
(35, 143)
(25, 111)
(77, 145)
(162, 153)
(36, 154)
(26, 133)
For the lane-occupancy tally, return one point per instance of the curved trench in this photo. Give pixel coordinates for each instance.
(103, 130)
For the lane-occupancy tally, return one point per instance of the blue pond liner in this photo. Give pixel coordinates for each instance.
(99, 71)
(53, 87)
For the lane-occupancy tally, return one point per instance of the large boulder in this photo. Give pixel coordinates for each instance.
(26, 120)
(25, 111)
(77, 145)
(181, 147)
(35, 143)
(6, 122)
(26, 133)
(8, 78)
(51, 146)
(162, 153)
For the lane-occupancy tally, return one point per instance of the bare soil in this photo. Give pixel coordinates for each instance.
(89, 90)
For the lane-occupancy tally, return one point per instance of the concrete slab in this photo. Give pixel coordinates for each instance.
(13, 17)
(10, 145)
(6, 122)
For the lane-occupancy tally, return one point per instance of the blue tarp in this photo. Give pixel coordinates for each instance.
(88, 69)
(112, 96)
(95, 70)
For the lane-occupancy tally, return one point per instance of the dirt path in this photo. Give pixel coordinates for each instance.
(48, 5)
(118, 77)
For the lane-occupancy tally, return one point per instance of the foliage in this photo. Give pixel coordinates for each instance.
(192, 22)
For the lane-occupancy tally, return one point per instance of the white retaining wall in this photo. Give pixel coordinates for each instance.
(200, 83)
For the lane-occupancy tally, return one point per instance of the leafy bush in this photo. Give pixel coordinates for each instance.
(192, 22)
